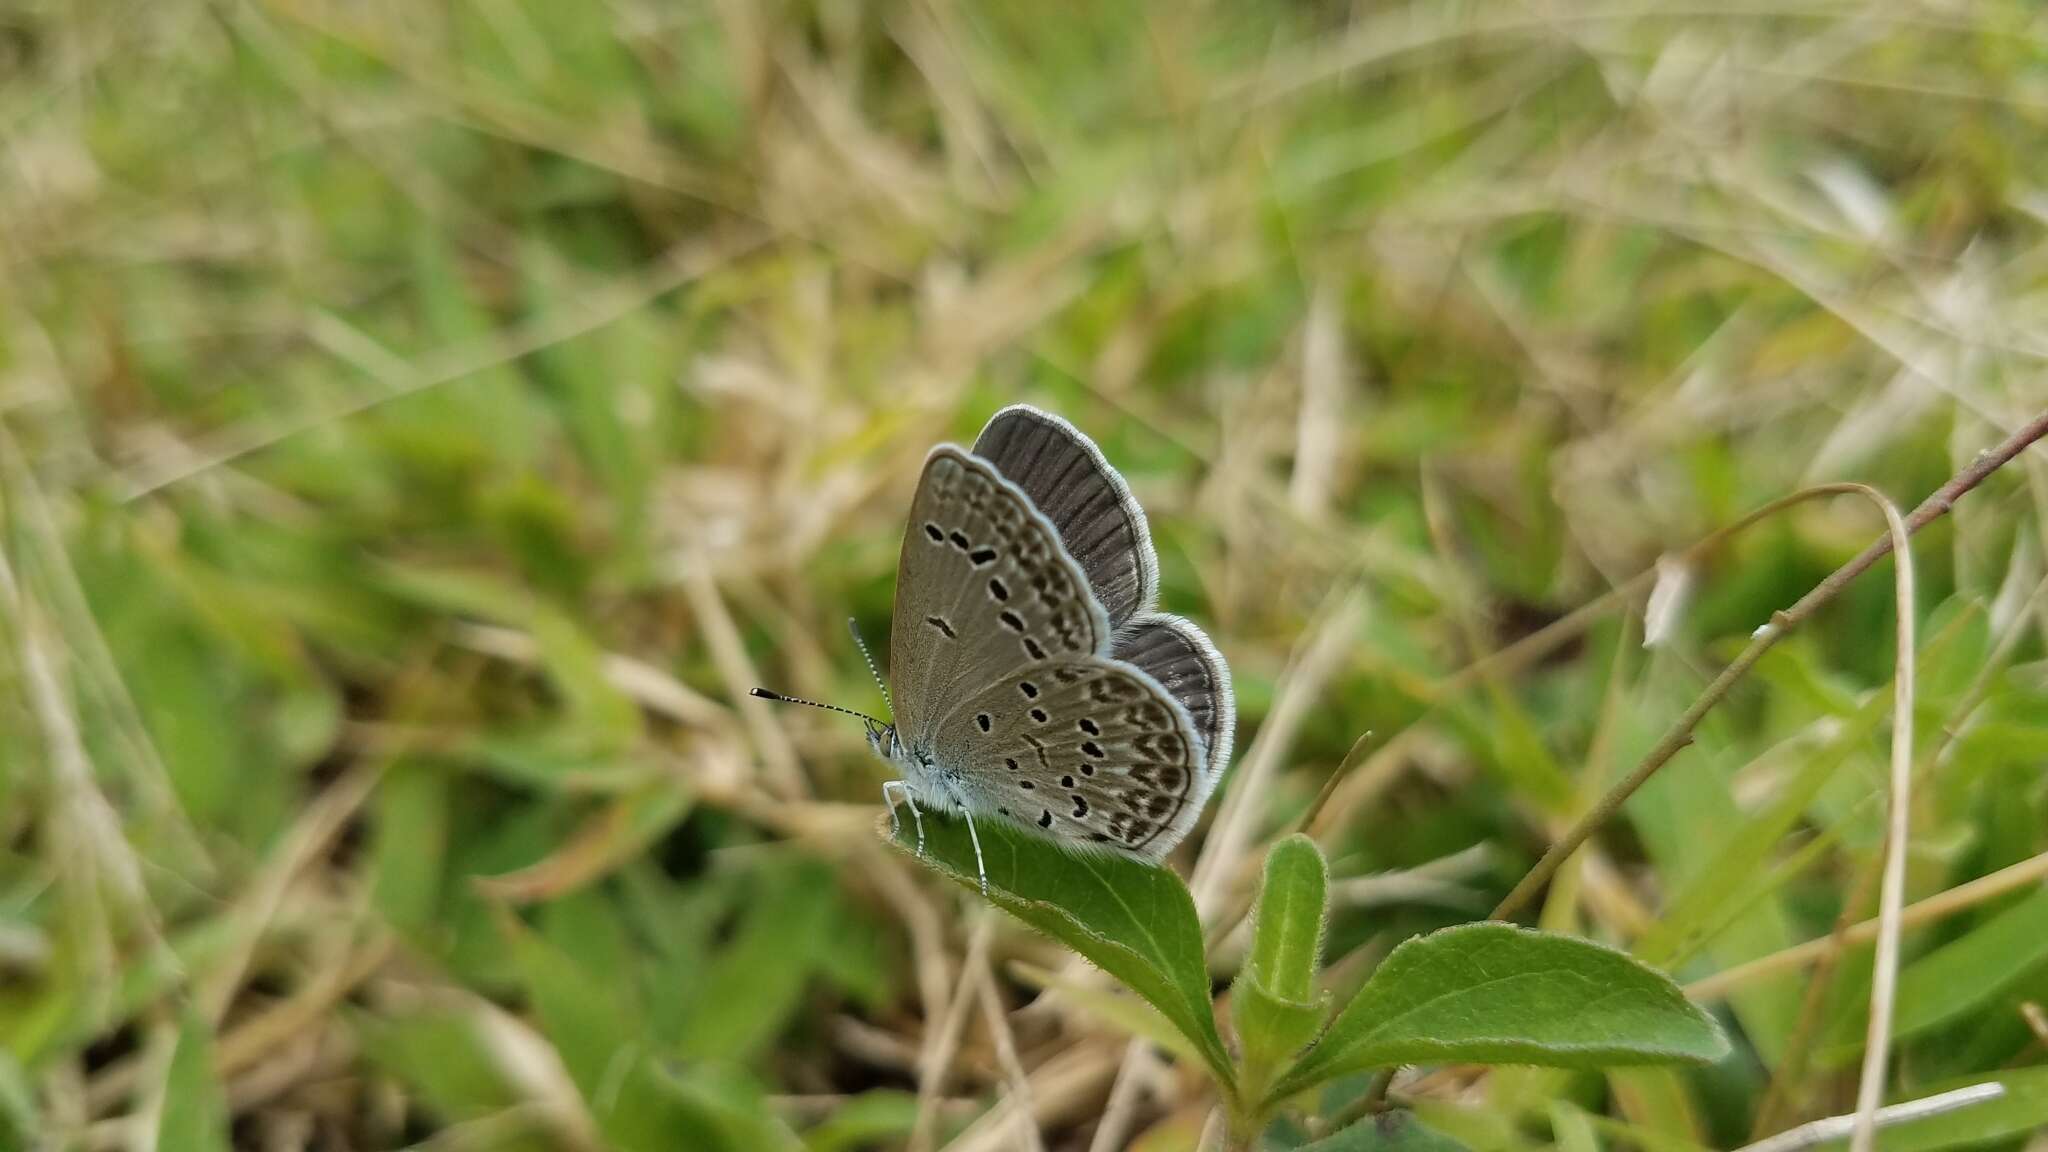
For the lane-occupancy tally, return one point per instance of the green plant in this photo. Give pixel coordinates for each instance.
(1484, 993)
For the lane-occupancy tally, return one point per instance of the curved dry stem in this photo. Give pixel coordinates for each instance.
(1318, 819)
(1935, 506)
(1792, 1066)
(943, 1041)
(1891, 900)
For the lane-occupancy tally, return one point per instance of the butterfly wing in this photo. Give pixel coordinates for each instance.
(1087, 501)
(1177, 654)
(984, 587)
(1089, 751)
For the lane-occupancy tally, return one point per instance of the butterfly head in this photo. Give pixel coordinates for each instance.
(882, 738)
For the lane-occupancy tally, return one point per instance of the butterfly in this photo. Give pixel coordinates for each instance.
(1033, 682)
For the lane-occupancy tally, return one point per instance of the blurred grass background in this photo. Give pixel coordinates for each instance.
(420, 424)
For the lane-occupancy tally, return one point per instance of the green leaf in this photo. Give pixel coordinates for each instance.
(1493, 993)
(586, 1015)
(1386, 1132)
(642, 1107)
(1287, 924)
(194, 1117)
(576, 664)
(1698, 905)
(1134, 921)
(1659, 1108)
(409, 847)
(441, 1058)
(754, 982)
(1683, 818)
(1274, 1006)
(868, 1119)
(1270, 1029)
(1572, 1128)
(615, 834)
(20, 1122)
(1732, 873)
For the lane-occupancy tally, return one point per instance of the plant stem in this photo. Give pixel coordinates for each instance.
(1680, 733)
(1948, 902)
(1374, 1099)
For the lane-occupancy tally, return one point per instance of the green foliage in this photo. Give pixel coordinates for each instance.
(1494, 993)
(1386, 1132)
(1476, 993)
(420, 426)
(193, 1115)
(1135, 921)
(1274, 1006)
(1287, 921)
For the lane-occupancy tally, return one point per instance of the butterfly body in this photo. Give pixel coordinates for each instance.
(1032, 681)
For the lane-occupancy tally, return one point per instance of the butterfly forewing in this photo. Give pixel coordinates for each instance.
(1087, 501)
(1090, 751)
(984, 589)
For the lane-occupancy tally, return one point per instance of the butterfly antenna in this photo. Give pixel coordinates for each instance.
(779, 698)
(853, 626)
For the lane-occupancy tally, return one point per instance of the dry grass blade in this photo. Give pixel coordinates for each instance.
(1836, 1127)
(1064, 1088)
(1126, 1092)
(1960, 898)
(942, 1041)
(1319, 424)
(782, 773)
(1016, 1078)
(652, 688)
(1316, 658)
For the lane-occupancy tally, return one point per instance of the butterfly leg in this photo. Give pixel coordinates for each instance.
(980, 869)
(889, 788)
(916, 818)
(892, 789)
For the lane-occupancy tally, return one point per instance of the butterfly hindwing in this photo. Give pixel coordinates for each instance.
(1090, 751)
(1178, 654)
(984, 588)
